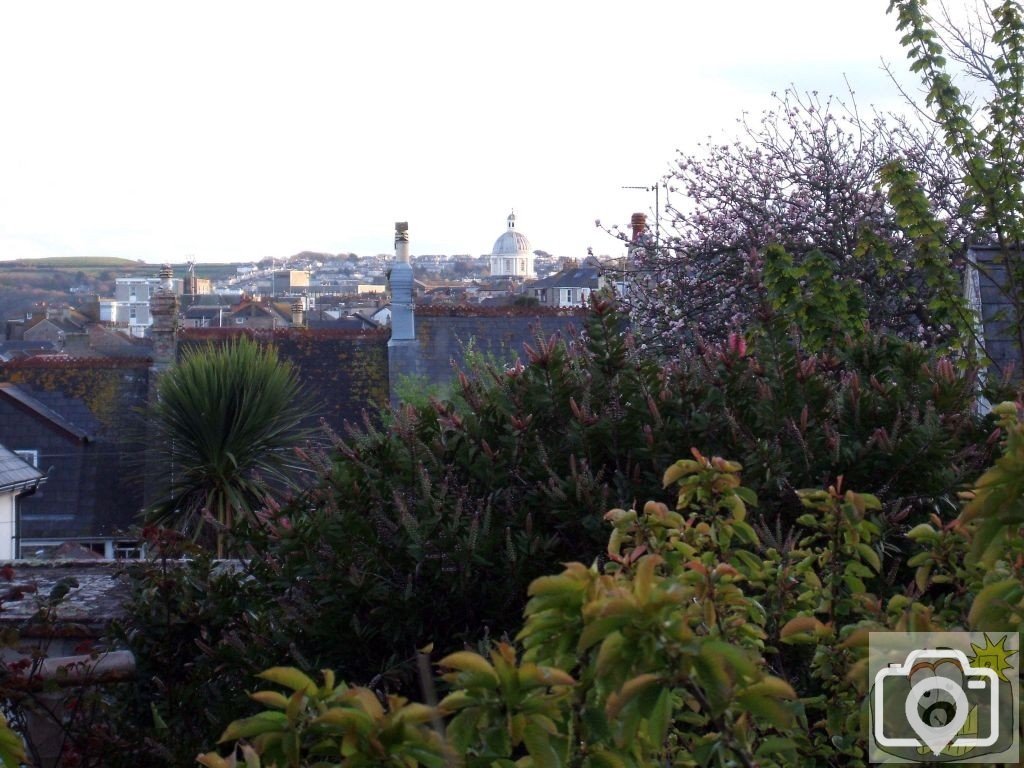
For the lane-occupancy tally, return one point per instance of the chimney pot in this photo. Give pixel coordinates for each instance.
(402, 241)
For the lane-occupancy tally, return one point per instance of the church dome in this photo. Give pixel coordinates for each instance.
(511, 242)
(512, 254)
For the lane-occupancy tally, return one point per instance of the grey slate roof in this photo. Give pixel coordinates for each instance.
(574, 277)
(198, 311)
(26, 401)
(343, 323)
(16, 474)
(9, 350)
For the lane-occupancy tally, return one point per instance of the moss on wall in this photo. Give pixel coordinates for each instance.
(109, 388)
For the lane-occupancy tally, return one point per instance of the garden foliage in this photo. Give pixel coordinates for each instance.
(696, 642)
(429, 529)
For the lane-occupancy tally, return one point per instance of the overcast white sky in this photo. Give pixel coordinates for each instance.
(239, 130)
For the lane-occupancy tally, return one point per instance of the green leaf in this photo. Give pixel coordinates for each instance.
(263, 722)
(462, 729)
(774, 747)
(870, 556)
(598, 629)
(538, 744)
(290, 677)
(996, 605)
(659, 716)
(766, 708)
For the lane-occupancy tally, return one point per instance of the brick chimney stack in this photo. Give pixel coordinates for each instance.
(163, 306)
(638, 223)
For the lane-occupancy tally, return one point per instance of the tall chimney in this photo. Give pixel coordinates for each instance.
(163, 308)
(403, 349)
(298, 314)
(400, 278)
(638, 223)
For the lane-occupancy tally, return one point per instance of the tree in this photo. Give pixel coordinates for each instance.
(804, 176)
(986, 143)
(225, 425)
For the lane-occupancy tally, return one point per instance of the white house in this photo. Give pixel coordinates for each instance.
(18, 476)
(130, 305)
(571, 287)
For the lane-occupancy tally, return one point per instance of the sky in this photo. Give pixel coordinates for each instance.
(232, 131)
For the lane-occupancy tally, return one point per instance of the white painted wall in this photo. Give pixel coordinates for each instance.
(7, 526)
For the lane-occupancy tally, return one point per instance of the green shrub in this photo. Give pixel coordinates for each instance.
(429, 529)
(696, 643)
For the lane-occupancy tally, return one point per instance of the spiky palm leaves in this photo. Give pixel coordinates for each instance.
(224, 427)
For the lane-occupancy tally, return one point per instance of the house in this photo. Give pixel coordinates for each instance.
(571, 286)
(208, 310)
(54, 325)
(72, 420)
(130, 306)
(204, 316)
(18, 477)
(261, 315)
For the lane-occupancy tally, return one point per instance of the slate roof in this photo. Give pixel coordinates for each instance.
(206, 312)
(346, 323)
(16, 474)
(17, 347)
(211, 299)
(67, 325)
(32, 404)
(574, 277)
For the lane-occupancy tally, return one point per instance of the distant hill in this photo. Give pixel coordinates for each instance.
(77, 262)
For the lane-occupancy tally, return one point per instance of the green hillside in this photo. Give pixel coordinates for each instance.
(77, 262)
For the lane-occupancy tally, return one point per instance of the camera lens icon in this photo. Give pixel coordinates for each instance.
(945, 691)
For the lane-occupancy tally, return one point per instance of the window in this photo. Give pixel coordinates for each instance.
(131, 312)
(127, 550)
(30, 456)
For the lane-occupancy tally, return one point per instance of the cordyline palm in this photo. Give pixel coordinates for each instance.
(225, 423)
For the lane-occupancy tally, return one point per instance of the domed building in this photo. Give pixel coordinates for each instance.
(512, 255)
